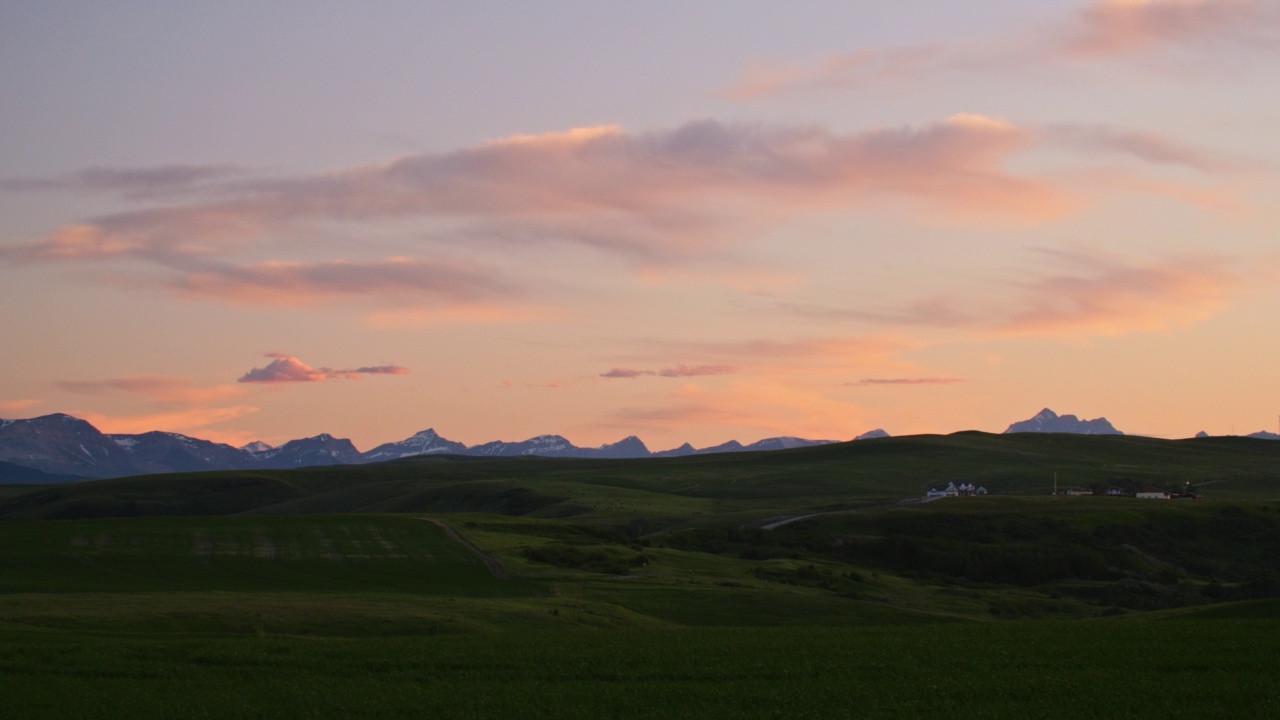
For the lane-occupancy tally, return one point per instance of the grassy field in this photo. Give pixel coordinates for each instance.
(653, 589)
(308, 554)
(1098, 669)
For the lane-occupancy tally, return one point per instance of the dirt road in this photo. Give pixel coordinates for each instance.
(489, 561)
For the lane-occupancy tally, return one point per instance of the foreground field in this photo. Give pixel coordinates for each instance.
(1096, 669)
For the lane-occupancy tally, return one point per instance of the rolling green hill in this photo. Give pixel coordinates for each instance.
(680, 489)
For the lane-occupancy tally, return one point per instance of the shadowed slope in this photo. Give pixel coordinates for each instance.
(902, 467)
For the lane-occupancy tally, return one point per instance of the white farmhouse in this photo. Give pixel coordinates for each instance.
(953, 490)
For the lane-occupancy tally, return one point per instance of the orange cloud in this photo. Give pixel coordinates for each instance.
(1083, 293)
(17, 406)
(174, 404)
(816, 364)
(814, 357)
(289, 369)
(189, 422)
(1107, 295)
(161, 390)
(746, 410)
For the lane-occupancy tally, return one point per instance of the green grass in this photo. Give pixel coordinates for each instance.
(1097, 669)
(310, 554)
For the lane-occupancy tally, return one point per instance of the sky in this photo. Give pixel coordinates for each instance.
(729, 219)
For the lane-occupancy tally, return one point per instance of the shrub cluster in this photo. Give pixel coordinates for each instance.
(591, 559)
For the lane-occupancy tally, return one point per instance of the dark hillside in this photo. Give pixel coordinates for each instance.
(824, 477)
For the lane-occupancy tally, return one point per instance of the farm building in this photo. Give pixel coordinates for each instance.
(953, 490)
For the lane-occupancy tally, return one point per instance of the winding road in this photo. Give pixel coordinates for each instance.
(797, 518)
(489, 561)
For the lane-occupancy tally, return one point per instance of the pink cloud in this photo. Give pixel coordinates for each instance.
(1146, 146)
(289, 369)
(658, 198)
(1116, 27)
(296, 283)
(1102, 29)
(762, 80)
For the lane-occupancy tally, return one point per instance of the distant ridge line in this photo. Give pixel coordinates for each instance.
(60, 447)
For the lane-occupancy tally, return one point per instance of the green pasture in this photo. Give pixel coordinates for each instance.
(305, 554)
(1093, 669)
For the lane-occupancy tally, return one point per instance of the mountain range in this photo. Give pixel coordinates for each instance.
(59, 448)
(62, 448)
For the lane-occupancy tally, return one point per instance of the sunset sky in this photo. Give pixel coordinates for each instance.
(687, 221)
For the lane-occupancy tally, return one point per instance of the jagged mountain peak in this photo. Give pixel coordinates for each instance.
(1047, 421)
(426, 442)
(628, 447)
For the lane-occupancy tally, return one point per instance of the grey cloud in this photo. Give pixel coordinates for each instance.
(675, 371)
(1146, 146)
(908, 381)
(134, 183)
